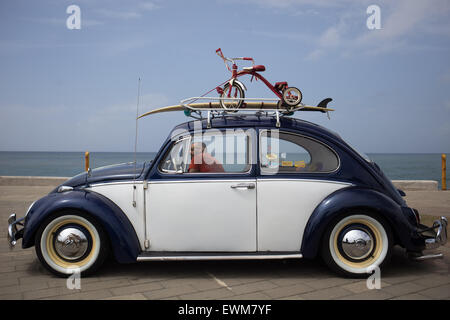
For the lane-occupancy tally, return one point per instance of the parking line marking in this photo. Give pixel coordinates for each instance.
(220, 282)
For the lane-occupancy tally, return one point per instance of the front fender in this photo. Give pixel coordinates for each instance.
(240, 84)
(362, 199)
(122, 236)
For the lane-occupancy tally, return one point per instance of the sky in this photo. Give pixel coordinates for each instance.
(67, 89)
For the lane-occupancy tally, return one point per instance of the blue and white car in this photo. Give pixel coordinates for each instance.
(293, 191)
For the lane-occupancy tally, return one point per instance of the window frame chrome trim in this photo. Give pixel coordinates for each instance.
(261, 169)
(250, 150)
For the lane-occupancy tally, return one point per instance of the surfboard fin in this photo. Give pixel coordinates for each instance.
(324, 103)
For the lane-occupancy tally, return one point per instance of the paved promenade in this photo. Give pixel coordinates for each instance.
(23, 277)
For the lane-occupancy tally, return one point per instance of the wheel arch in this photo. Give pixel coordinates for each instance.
(354, 199)
(122, 237)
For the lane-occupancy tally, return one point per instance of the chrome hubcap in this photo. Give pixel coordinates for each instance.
(357, 244)
(71, 243)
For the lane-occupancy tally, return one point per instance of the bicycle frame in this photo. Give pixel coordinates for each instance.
(236, 74)
(260, 77)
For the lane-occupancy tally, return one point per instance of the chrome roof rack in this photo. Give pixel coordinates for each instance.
(251, 106)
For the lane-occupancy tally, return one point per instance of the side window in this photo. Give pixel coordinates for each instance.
(282, 152)
(212, 152)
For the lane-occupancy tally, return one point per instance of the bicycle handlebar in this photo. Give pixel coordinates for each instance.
(220, 54)
(225, 59)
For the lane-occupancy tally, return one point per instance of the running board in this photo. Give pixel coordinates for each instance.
(159, 256)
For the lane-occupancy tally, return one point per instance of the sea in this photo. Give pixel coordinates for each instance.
(396, 166)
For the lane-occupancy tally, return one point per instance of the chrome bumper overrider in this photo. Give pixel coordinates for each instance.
(435, 236)
(440, 238)
(13, 233)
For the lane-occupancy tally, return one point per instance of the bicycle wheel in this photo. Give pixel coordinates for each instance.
(236, 92)
(292, 97)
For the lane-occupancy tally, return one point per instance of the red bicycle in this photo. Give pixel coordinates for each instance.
(232, 94)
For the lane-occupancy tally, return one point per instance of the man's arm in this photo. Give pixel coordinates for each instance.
(193, 167)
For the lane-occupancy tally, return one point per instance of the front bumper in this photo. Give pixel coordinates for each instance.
(14, 233)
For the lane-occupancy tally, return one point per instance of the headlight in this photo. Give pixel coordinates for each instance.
(64, 189)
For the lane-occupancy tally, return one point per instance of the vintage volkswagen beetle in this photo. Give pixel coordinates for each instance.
(292, 191)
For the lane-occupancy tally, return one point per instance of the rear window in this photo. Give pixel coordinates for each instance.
(283, 152)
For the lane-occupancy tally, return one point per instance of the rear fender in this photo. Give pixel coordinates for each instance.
(358, 199)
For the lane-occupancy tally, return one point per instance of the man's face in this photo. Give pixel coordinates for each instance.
(196, 148)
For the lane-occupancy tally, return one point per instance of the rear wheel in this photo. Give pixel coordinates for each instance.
(355, 244)
(292, 97)
(69, 242)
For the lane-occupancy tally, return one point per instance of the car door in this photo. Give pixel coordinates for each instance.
(292, 182)
(212, 210)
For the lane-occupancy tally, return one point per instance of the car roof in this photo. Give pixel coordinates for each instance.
(259, 121)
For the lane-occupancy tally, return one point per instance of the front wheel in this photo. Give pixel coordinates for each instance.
(69, 242)
(292, 97)
(229, 103)
(357, 243)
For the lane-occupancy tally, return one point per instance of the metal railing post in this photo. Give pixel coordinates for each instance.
(444, 175)
(86, 161)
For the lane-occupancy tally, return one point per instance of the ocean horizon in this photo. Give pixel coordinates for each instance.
(396, 166)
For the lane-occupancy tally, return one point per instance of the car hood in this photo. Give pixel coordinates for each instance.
(123, 171)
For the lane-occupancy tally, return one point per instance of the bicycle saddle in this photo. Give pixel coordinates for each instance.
(258, 67)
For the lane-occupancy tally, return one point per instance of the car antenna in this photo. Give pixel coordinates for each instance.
(135, 142)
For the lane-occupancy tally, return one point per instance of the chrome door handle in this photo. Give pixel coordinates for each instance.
(243, 186)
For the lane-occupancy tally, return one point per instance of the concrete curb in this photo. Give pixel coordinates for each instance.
(31, 181)
(416, 185)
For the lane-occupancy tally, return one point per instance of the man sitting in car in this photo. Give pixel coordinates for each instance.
(202, 161)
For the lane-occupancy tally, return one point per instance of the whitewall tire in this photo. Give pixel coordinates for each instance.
(71, 242)
(356, 243)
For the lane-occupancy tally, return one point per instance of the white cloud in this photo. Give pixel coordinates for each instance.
(119, 14)
(401, 20)
(404, 18)
(305, 12)
(331, 37)
(315, 54)
(132, 12)
(148, 6)
(109, 47)
(271, 34)
(61, 22)
(297, 3)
